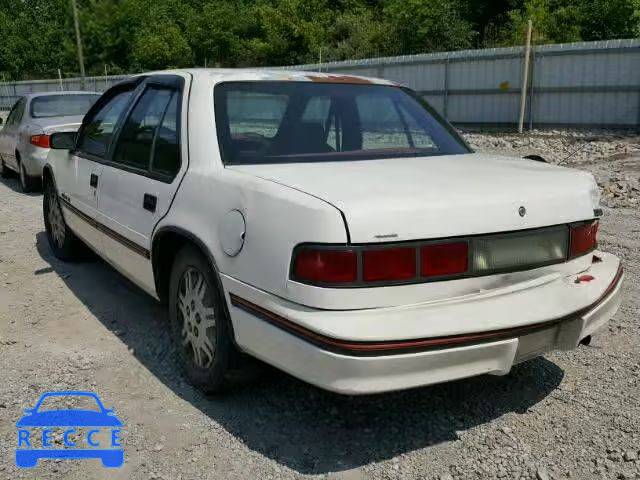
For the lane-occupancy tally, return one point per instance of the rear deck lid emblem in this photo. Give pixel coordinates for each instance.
(522, 211)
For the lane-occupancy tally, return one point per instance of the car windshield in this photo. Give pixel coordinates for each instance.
(62, 105)
(287, 121)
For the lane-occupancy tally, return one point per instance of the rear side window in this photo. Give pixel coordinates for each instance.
(166, 157)
(149, 138)
(62, 105)
(15, 116)
(96, 133)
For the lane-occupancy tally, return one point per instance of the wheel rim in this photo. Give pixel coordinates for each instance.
(56, 222)
(197, 318)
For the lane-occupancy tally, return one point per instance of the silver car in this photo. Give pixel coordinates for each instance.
(24, 140)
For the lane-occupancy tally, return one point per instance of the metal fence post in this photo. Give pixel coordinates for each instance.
(532, 88)
(445, 99)
(525, 78)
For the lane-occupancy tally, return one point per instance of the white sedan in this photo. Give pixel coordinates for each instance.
(333, 226)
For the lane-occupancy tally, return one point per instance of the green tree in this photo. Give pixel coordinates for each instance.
(134, 35)
(108, 31)
(293, 30)
(223, 33)
(161, 46)
(608, 19)
(358, 33)
(488, 18)
(31, 33)
(554, 21)
(427, 25)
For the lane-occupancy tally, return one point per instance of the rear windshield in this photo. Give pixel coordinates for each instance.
(61, 105)
(275, 122)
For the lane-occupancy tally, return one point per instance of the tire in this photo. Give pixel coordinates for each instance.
(198, 315)
(4, 170)
(28, 183)
(63, 242)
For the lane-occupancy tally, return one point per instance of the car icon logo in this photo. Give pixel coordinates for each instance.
(71, 420)
(522, 211)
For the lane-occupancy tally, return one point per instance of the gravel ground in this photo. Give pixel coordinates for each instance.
(83, 327)
(613, 159)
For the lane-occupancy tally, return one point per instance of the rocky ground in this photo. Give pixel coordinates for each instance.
(614, 159)
(83, 327)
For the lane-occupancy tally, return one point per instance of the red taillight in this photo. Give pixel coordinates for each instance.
(326, 266)
(444, 259)
(389, 264)
(40, 141)
(584, 238)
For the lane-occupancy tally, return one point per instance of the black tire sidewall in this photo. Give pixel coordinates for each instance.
(4, 170)
(211, 379)
(29, 184)
(22, 172)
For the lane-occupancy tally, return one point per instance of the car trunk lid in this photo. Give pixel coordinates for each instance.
(441, 196)
(59, 124)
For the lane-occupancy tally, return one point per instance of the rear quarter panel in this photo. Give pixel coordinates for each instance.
(276, 220)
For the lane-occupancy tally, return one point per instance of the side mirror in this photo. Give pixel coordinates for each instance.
(63, 140)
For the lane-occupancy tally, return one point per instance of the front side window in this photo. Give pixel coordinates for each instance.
(289, 121)
(135, 143)
(62, 105)
(96, 133)
(149, 138)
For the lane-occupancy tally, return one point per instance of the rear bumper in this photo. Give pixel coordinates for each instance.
(360, 366)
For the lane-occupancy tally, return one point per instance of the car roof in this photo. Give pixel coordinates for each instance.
(258, 74)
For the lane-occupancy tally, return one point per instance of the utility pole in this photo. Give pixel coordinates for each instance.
(525, 78)
(76, 23)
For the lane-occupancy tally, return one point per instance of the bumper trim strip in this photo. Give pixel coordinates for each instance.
(379, 348)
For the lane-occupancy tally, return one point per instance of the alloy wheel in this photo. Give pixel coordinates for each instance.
(197, 316)
(56, 221)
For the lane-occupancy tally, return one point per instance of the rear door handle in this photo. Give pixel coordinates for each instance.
(149, 202)
(93, 180)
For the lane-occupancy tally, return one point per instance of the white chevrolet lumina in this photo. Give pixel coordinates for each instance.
(333, 226)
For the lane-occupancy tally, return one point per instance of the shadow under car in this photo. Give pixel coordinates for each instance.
(298, 425)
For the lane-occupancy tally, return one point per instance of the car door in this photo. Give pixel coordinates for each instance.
(9, 134)
(142, 176)
(78, 175)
